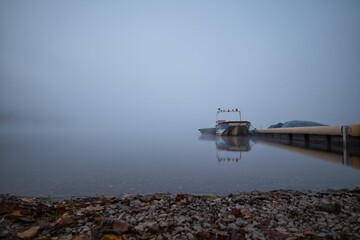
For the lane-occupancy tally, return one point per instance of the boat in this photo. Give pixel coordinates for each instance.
(228, 128)
(208, 130)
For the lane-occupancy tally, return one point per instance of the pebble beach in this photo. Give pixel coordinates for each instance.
(281, 214)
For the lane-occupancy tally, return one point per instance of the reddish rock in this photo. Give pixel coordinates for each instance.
(29, 233)
(120, 226)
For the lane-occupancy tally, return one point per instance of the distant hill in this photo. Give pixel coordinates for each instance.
(297, 123)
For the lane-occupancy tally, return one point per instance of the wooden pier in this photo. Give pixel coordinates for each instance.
(344, 140)
(344, 135)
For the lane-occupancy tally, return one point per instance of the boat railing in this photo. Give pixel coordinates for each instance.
(227, 110)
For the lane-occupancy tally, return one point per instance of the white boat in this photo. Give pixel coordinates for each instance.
(228, 128)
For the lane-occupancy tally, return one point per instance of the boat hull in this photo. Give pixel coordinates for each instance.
(207, 130)
(233, 128)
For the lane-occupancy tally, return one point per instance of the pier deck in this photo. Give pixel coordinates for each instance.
(329, 134)
(354, 130)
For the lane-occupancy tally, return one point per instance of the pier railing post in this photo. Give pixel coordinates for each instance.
(345, 134)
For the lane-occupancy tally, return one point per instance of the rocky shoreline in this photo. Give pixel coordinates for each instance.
(281, 214)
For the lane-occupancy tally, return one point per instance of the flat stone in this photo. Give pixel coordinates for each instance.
(190, 236)
(120, 226)
(233, 226)
(293, 229)
(197, 228)
(140, 227)
(239, 222)
(281, 229)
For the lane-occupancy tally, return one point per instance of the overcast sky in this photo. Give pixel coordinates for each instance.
(160, 62)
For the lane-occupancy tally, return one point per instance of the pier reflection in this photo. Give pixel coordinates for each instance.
(349, 156)
(229, 148)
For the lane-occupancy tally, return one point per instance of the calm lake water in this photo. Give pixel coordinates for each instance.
(64, 164)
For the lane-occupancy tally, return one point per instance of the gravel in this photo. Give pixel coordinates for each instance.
(281, 214)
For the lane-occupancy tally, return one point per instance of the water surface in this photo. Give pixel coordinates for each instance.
(78, 163)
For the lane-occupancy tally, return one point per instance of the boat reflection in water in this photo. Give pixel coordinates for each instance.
(229, 148)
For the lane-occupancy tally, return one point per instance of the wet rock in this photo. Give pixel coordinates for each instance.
(231, 217)
(258, 235)
(29, 233)
(190, 236)
(180, 197)
(233, 226)
(153, 227)
(204, 235)
(240, 222)
(330, 208)
(120, 226)
(140, 227)
(235, 212)
(85, 237)
(198, 228)
(245, 213)
(293, 230)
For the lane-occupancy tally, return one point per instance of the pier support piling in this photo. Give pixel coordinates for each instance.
(345, 134)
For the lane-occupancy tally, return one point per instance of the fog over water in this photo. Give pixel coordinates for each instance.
(129, 63)
(143, 76)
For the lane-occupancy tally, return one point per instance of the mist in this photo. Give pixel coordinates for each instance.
(159, 67)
